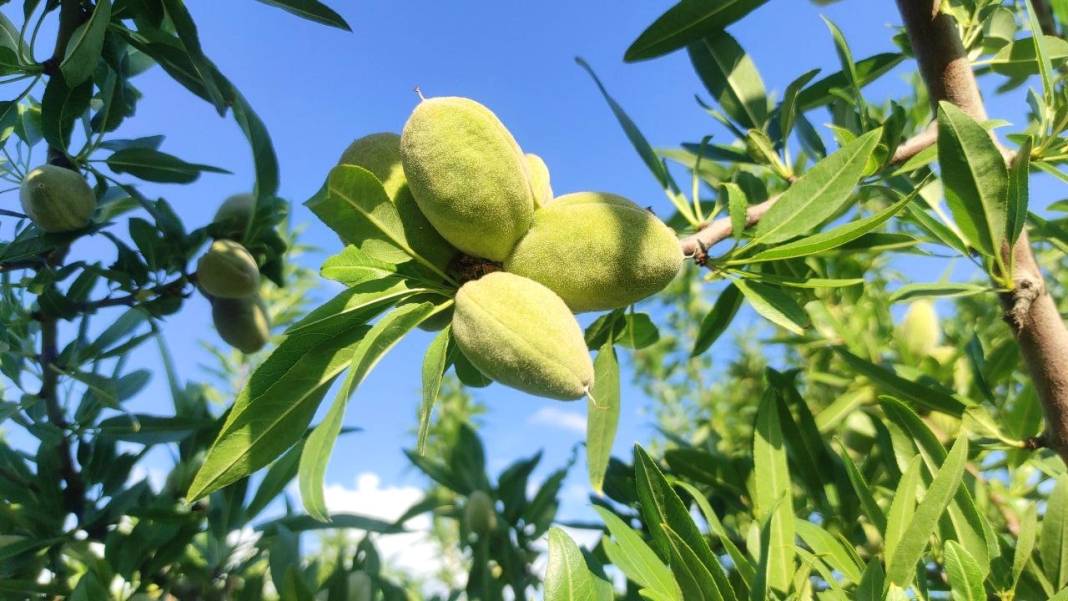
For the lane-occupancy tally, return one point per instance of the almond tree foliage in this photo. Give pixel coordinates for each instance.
(843, 456)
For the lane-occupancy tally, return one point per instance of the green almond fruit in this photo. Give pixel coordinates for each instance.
(918, 331)
(242, 322)
(468, 175)
(521, 334)
(360, 586)
(57, 199)
(233, 216)
(380, 154)
(479, 515)
(227, 270)
(539, 180)
(598, 251)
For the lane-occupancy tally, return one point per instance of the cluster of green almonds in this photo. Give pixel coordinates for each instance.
(57, 199)
(461, 184)
(230, 276)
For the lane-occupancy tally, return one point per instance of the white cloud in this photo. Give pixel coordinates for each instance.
(558, 418)
(411, 552)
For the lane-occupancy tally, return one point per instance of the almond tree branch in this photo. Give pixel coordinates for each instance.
(714, 232)
(1029, 308)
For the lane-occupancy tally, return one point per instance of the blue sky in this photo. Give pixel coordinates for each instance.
(318, 88)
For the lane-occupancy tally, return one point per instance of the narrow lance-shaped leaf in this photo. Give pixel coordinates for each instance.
(774, 305)
(819, 193)
(602, 414)
(866, 71)
(824, 241)
(435, 362)
(645, 150)
(386, 333)
(687, 21)
(1053, 540)
(975, 179)
(1019, 175)
(662, 508)
(902, 566)
(718, 319)
(568, 577)
(965, 576)
(1025, 542)
(83, 50)
(902, 506)
(737, 203)
(630, 553)
(690, 572)
(773, 498)
(313, 10)
(275, 407)
(731, 77)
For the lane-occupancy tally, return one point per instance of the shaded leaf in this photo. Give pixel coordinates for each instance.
(687, 21)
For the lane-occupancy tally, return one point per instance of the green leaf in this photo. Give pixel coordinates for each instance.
(352, 266)
(692, 575)
(916, 393)
(150, 429)
(718, 319)
(1025, 542)
(275, 407)
(867, 70)
(788, 106)
(209, 76)
(971, 529)
(902, 506)
(366, 299)
(742, 563)
(382, 337)
(772, 498)
(630, 553)
(845, 58)
(155, 166)
(83, 50)
(737, 203)
(1019, 174)
(435, 362)
(1018, 59)
(567, 577)
(975, 178)
(910, 292)
(824, 241)
(355, 205)
(637, 139)
(278, 476)
(731, 77)
(602, 416)
(774, 305)
(311, 10)
(687, 21)
(340, 521)
(61, 105)
(831, 550)
(661, 508)
(1045, 66)
(819, 193)
(263, 154)
(1053, 540)
(965, 577)
(901, 569)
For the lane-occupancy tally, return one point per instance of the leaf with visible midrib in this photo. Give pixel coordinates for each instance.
(311, 10)
(567, 577)
(828, 240)
(685, 22)
(731, 77)
(275, 407)
(902, 566)
(975, 179)
(83, 50)
(1053, 539)
(386, 333)
(633, 556)
(773, 501)
(435, 362)
(819, 193)
(602, 415)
